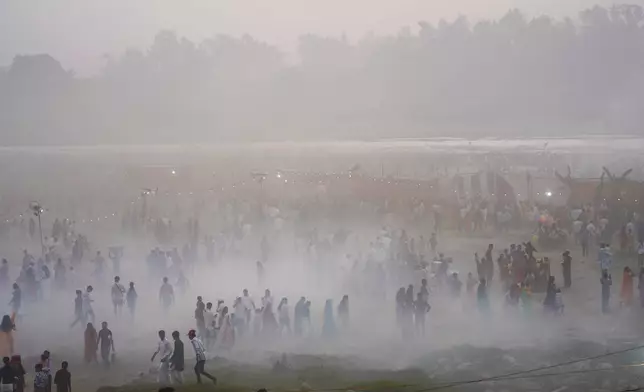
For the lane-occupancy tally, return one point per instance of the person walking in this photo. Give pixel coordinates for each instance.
(79, 315)
(164, 351)
(166, 294)
(200, 354)
(566, 265)
(200, 317)
(584, 240)
(118, 294)
(18, 373)
(16, 299)
(41, 378)
(106, 342)
(63, 378)
(7, 376)
(177, 360)
(7, 327)
(606, 281)
(88, 310)
(91, 345)
(626, 294)
(130, 299)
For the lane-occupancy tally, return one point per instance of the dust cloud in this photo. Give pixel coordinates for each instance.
(342, 167)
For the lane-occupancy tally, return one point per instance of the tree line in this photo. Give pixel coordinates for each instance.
(515, 76)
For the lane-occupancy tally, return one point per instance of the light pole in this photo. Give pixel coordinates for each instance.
(37, 210)
(260, 178)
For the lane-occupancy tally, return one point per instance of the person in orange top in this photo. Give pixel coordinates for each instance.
(90, 343)
(626, 295)
(7, 327)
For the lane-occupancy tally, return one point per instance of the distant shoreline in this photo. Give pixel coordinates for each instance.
(562, 144)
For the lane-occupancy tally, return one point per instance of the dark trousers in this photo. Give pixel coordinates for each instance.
(105, 356)
(199, 370)
(566, 275)
(584, 248)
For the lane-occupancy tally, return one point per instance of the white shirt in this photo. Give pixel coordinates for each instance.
(200, 350)
(87, 302)
(118, 291)
(238, 309)
(209, 319)
(164, 349)
(576, 225)
(266, 301)
(248, 303)
(283, 312)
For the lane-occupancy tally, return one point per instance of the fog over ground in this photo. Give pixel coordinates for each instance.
(119, 197)
(328, 140)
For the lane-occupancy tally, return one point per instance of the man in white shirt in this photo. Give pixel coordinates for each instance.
(267, 299)
(88, 311)
(164, 350)
(200, 353)
(576, 228)
(209, 321)
(249, 306)
(118, 295)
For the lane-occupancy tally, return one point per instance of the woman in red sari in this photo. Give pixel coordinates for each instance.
(91, 347)
(626, 294)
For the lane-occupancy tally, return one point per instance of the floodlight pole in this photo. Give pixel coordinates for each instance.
(37, 209)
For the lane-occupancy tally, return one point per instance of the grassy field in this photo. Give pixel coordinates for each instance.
(321, 377)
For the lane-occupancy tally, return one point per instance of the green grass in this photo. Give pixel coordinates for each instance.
(371, 386)
(321, 378)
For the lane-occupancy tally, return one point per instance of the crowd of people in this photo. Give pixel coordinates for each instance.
(401, 254)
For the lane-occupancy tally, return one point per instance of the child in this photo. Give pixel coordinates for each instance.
(63, 379)
(41, 378)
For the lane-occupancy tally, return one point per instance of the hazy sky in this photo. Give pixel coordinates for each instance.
(80, 32)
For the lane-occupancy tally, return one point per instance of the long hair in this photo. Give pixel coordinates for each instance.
(6, 325)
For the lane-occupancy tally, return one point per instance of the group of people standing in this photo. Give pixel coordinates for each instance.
(13, 374)
(220, 325)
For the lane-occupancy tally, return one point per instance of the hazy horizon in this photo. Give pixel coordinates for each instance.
(80, 34)
(131, 74)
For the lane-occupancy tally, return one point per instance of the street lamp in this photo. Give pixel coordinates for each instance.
(37, 210)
